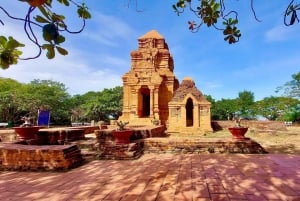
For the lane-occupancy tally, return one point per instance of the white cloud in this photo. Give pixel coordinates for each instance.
(108, 30)
(71, 71)
(79, 71)
(281, 33)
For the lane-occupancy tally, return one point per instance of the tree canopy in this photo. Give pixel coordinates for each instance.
(272, 108)
(51, 24)
(212, 13)
(291, 88)
(18, 100)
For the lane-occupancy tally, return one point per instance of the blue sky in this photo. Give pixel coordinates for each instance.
(266, 56)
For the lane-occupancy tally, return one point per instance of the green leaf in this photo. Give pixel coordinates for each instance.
(44, 12)
(9, 57)
(83, 12)
(62, 51)
(50, 32)
(60, 39)
(65, 2)
(180, 4)
(57, 18)
(3, 41)
(41, 19)
(51, 53)
(49, 2)
(12, 43)
(46, 46)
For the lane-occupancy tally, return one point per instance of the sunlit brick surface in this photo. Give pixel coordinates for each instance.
(163, 177)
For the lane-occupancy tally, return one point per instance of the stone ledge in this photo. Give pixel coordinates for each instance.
(34, 157)
(169, 145)
(112, 151)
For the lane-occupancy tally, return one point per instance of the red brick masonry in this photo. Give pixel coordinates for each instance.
(34, 157)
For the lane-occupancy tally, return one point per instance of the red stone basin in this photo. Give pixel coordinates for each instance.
(27, 133)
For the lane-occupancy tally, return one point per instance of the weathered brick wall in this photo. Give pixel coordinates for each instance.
(7, 136)
(192, 146)
(108, 149)
(253, 125)
(33, 157)
(86, 129)
(55, 137)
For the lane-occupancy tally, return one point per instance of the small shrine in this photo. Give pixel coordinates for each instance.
(189, 111)
(152, 93)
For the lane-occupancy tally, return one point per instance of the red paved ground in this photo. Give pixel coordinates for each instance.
(163, 178)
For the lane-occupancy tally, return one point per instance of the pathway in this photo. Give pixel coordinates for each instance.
(163, 177)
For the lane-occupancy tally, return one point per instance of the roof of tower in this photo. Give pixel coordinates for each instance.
(152, 34)
(187, 86)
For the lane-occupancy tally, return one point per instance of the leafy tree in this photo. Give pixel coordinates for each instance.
(9, 101)
(76, 111)
(103, 105)
(291, 88)
(113, 100)
(92, 108)
(224, 109)
(97, 106)
(47, 95)
(293, 114)
(245, 101)
(214, 13)
(51, 24)
(273, 108)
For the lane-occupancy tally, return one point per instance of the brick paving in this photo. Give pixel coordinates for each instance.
(164, 177)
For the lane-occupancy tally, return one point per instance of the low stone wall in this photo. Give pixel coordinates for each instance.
(141, 132)
(193, 146)
(86, 129)
(253, 125)
(62, 136)
(8, 135)
(33, 157)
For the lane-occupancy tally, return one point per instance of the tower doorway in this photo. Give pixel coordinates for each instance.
(145, 102)
(189, 113)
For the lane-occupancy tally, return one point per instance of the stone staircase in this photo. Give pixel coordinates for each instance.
(88, 147)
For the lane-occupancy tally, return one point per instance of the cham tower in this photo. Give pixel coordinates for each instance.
(150, 83)
(149, 90)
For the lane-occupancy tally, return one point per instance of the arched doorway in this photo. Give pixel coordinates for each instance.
(189, 113)
(145, 102)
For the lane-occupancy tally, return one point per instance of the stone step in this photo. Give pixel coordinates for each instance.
(89, 155)
(89, 144)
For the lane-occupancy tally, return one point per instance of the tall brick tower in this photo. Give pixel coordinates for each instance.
(150, 83)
